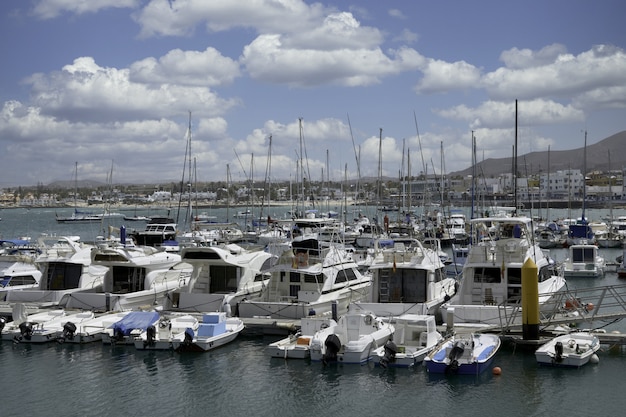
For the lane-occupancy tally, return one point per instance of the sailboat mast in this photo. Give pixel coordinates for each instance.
(515, 164)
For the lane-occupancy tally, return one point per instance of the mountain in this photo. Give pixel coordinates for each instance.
(535, 162)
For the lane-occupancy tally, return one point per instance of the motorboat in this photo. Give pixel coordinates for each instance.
(58, 329)
(568, 350)
(584, 261)
(89, 331)
(66, 267)
(468, 354)
(621, 265)
(298, 345)
(158, 229)
(491, 287)
(18, 270)
(352, 340)
(547, 239)
(22, 322)
(221, 277)
(406, 278)
(125, 330)
(159, 336)
(215, 330)
(310, 278)
(415, 336)
(136, 277)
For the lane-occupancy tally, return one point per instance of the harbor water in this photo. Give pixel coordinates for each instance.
(241, 379)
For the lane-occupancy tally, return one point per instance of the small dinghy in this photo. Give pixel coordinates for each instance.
(568, 350)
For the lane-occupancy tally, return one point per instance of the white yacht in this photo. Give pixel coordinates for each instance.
(584, 261)
(308, 279)
(491, 287)
(222, 276)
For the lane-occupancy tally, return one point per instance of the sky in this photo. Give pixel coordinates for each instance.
(280, 89)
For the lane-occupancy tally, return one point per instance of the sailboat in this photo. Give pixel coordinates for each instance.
(77, 215)
(581, 232)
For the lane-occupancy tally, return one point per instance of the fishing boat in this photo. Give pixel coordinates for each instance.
(406, 278)
(160, 336)
(91, 330)
(415, 336)
(491, 288)
(58, 329)
(308, 279)
(221, 277)
(66, 268)
(298, 345)
(125, 330)
(136, 276)
(352, 341)
(584, 261)
(18, 270)
(469, 354)
(568, 350)
(214, 331)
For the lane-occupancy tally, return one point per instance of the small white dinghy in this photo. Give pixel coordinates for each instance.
(568, 350)
(352, 340)
(159, 336)
(298, 345)
(415, 337)
(215, 330)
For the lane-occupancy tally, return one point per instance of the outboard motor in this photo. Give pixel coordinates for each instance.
(333, 346)
(69, 329)
(455, 353)
(150, 336)
(26, 331)
(390, 354)
(558, 350)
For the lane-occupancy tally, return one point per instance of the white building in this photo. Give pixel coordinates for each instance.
(562, 185)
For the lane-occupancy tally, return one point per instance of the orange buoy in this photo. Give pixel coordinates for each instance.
(496, 370)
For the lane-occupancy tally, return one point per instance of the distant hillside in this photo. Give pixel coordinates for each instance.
(597, 159)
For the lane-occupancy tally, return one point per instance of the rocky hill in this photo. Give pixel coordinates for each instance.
(597, 159)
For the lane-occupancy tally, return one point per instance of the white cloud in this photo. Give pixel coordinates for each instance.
(49, 9)
(85, 91)
(441, 76)
(191, 68)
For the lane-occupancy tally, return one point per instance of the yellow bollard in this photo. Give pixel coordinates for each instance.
(530, 301)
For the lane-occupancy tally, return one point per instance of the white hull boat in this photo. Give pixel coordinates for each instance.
(160, 336)
(415, 337)
(215, 330)
(59, 329)
(91, 330)
(584, 261)
(298, 345)
(469, 354)
(125, 330)
(568, 350)
(352, 341)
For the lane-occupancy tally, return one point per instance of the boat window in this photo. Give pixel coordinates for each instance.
(583, 255)
(294, 277)
(346, 275)
(262, 277)
(127, 279)
(63, 276)
(223, 279)
(13, 281)
(407, 286)
(515, 275)
(487, 275)
(313, 279)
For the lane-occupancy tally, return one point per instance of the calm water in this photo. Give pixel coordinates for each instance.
(240, 379)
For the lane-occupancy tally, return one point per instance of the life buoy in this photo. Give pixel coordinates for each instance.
(302, 258)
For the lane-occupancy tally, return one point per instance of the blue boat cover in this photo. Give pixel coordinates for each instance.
(135, 320)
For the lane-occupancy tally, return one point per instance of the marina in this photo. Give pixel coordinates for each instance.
(242, 366)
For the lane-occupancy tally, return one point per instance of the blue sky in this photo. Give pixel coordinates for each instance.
(112, 83)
